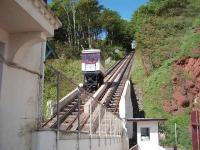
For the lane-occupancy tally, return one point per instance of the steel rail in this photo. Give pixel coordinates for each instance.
(107, 90)
(62, 117)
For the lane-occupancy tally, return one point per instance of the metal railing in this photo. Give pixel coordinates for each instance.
(90, 116)
(101, 121)
(56, 86)
(135, 147)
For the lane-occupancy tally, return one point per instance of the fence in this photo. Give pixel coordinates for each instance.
(56, 86)
(176, 135)
(86, 114)
(134, 148)
(101, 121)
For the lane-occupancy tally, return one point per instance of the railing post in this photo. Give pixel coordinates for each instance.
(90, 108)
(106, 122)
(57, 98)
(99, 120)
(110, 127)
(114, 127)
(110, 124)
(118, 127)
(78, 114)
(78, 134)
(105, 126)
(57, 105)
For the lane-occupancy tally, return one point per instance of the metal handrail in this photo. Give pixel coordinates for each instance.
(135, 147)
(57, 74)
(78, 86)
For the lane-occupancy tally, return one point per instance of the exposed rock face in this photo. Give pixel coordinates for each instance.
(197, 30)
(170, 106)
(186, 80)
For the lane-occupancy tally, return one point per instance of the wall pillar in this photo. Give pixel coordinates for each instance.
(20, 90)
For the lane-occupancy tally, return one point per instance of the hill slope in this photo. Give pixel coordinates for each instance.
(167, 33)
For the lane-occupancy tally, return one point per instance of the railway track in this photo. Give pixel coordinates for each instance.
(112, 102)
(66, 119)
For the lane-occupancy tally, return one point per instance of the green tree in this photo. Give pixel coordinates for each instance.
(84, 21)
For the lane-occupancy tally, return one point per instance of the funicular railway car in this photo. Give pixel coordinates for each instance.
(92, 68)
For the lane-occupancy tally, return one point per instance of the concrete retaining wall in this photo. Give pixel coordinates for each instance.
(126, 108)
(93, 144)
(46, 140)
(65, 100)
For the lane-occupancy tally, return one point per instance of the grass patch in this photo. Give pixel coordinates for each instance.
(190, 41)
(138, 75)
(158, 87)
(70, 69)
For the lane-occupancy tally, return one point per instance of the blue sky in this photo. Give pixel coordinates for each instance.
(124, 7)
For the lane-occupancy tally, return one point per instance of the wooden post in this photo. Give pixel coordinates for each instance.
(175, 135)
(195, 129)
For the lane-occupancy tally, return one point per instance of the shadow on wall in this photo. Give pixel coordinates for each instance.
(137, 113)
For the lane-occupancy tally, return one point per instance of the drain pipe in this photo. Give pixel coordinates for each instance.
(41, 84)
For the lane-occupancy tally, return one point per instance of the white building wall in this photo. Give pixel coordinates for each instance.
(153, 143)
(44, 140)
(19, 97)
(23, 37)
(18, 116)
(4, 36)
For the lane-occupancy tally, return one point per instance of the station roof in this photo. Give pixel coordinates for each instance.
(146, 119)
(91, 51)
(27, 16)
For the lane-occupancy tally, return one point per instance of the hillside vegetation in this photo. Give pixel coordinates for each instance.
(87, 24)
(165, 32)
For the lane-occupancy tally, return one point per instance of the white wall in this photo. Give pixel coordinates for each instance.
(3, 35)
(19, 99)
(125, 107)
(19, 95)
(46, 140)
(94, 144)
(24, 36)
(154, 141)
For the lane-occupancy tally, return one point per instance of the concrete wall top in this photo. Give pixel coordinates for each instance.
(32, 15)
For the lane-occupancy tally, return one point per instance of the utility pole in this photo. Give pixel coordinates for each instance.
(175, 131)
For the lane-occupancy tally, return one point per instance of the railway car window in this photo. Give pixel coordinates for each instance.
(91, 58)
(145, 134)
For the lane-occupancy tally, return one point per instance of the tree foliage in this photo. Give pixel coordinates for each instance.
(84, 23)
(164, 31)
(158, 28)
